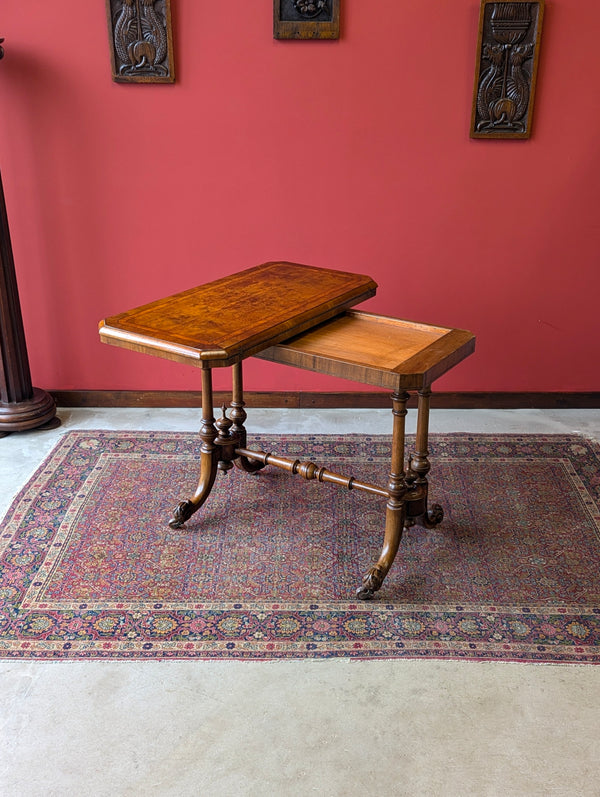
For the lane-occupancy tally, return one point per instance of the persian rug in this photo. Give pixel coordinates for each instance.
(268, 568)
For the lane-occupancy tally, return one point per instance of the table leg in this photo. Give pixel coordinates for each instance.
(209, 457)
(395, 514)
(238, 416)
(420, 464)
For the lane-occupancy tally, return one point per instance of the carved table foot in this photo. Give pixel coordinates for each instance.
(183, 511)
(209, 457)
(222, 442)
(433, 517)
(372, 581)
(375, 575)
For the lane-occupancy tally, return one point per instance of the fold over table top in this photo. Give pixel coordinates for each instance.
(376, 350)
(225, 321)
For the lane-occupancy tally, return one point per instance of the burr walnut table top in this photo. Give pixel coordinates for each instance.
(376, 350)
(225, 321)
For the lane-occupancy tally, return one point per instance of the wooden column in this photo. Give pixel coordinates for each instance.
(22, 406)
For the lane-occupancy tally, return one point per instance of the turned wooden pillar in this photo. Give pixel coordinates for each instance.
(22, 406)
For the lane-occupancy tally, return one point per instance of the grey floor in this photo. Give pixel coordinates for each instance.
(295, 728)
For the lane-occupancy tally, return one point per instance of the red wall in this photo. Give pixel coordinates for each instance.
(351, 154)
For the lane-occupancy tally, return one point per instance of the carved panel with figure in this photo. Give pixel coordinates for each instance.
(506, 69)
(141, 41)
(306, 19)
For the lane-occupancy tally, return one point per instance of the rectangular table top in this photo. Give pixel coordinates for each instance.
(225, 321)
(376, 350)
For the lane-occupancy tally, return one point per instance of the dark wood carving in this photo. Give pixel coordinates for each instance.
(306, 19)
(506, 70)
(141, 41)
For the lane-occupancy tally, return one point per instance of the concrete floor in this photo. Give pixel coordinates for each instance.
(295, 727)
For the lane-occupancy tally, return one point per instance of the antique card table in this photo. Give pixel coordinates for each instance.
(300, 315)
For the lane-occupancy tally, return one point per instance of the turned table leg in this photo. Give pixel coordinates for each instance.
(238, 416)
(209, 457)
(395, 514)
(420, 464)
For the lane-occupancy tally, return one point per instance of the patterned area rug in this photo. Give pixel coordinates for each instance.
(269, 567)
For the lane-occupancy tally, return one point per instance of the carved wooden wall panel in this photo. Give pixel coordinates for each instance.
(306, 19)
(506, 70)
(141, 41)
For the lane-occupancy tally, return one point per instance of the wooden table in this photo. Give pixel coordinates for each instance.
(299, 315)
